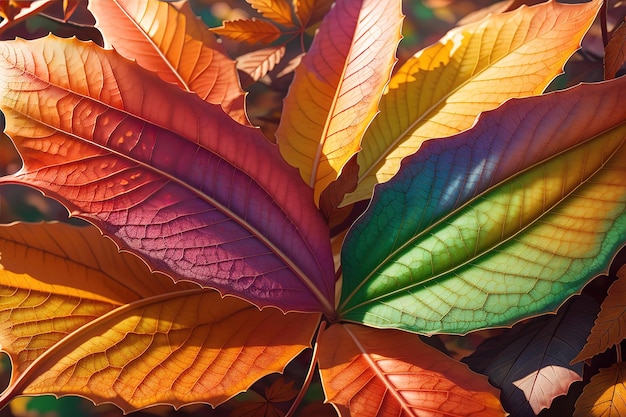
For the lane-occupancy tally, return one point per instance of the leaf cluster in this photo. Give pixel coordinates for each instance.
(436, 236)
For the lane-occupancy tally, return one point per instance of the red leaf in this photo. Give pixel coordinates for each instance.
(615, 52)
(163, 173)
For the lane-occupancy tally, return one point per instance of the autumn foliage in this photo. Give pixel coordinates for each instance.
(395, 233)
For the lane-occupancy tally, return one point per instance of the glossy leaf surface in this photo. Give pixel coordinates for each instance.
(530, 363)
(337, 87)
(101, 139)
(369, 372)
(501, 222)
(610, 326)
(97, 323)
(605, 395)
(174, 43)
(441, 90)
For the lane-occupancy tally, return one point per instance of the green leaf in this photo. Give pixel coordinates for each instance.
(502, 222)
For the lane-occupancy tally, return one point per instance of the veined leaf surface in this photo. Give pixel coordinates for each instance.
(174, 43)
(610, 326)
(530, 363)
(277, 10)
(78, 317)
(337, 87)
(378, 373)
(441, 90)
(605, 394)
(501, 222)
(162, 172)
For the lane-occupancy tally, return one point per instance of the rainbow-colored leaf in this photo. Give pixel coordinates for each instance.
(173, 42)
(474, 68)
(337, 87)
(382, 373)
(504, 221)
(162, 172)
(97, 323)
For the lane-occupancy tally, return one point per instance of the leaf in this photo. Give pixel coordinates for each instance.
(13, 11)
(605, 394)
(474, 68)
(310, 12)
(501, 222)
(615, 52)
(610, 326)
(257, 64)
(250, 31)
(277, 10)
(530, 363)
(11, 8)
(370, 372)
(336, 88)
(176, 44)
(266, 406)
(97, 323)
(162, 173)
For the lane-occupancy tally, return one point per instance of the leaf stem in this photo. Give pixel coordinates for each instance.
(309, 375)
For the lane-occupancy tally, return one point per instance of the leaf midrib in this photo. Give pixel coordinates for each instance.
(459, 209)
(328, 308)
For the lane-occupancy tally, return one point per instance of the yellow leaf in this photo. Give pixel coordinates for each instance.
(337, 87)
(79, 318)
(605, 394)
(474, 68)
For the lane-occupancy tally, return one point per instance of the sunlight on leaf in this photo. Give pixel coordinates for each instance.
(605, 395)
(257, 64)
(250, 31)
(530, 363)
(158, 169)
(337, 87)
(369, 372)
(501, 222)
(277, 10)
(441, 90)
(610, 326)
(97, 323)
(174, 43)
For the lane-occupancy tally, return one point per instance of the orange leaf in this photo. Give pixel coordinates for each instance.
(175, 44)
(337, 87)
(97, 323)
(277, 10)
(371, 372)
(610, 326)
(615, 52)
(605, 394)
(249, 31)
(310, 12)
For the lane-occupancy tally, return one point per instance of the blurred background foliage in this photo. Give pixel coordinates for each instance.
(425, 22)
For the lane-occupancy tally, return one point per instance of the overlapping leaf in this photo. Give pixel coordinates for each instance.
(78, 317)
(531, 362)
(162, 172)
(174, 43)
(337, 87)
(610, 326)
(498, 223)
(441, 90)
(369, 372)
(277, 10)
(605, 395)
(250, 31)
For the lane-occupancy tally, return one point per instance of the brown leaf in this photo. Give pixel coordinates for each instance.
(605, 394)
(615, 52)
(610, 326)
